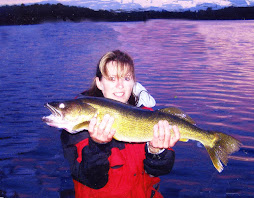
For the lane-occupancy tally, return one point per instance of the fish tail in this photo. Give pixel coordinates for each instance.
(224, 145)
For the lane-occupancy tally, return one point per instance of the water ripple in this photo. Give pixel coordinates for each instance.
(203, 67)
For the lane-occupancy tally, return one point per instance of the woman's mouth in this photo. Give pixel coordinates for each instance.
(119, 94)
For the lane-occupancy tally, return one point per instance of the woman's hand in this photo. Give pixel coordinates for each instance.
(101, 132)
(162, 136)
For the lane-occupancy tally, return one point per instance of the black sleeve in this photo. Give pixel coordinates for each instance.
(92, 171)
(159, 164)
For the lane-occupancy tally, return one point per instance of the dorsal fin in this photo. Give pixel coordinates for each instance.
(178, 113)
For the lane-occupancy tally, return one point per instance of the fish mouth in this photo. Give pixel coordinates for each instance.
(54, 111)
(55, 114)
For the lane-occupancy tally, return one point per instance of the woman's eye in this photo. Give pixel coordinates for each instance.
(127, 78)
(112, 78)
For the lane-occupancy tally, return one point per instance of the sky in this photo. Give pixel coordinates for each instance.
(136, 4)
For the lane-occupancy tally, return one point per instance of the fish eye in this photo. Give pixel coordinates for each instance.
(61, 106)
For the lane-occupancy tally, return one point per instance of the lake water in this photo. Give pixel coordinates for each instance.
(203, 67)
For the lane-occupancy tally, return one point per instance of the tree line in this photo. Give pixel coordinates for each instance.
(39, 13)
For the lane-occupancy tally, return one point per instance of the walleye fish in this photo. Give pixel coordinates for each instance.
(133, 124)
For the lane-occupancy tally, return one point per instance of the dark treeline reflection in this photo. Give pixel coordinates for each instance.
(38, 13)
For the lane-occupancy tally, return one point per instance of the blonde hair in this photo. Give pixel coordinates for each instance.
(123, 61)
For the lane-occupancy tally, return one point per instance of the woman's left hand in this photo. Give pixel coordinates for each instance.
(163, 137)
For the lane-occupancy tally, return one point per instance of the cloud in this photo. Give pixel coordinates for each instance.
(17, 2)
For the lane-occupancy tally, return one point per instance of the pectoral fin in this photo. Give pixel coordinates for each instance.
(82, 126)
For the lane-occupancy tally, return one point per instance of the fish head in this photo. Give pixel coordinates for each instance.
(73, 115)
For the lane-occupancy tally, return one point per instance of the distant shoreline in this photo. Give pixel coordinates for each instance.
(40, 13)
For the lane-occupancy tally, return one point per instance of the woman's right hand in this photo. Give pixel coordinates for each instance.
(101, 132)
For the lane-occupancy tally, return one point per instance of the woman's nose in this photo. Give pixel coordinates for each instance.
(120, 83)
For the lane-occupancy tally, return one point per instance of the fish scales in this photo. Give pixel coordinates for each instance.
(130, 127)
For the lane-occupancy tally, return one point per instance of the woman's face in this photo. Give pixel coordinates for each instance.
(115, 87)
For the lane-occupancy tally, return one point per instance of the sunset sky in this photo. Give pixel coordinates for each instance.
(112, 4)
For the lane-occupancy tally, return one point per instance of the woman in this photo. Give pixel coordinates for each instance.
(104, 167)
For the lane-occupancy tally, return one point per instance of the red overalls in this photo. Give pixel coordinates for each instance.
(127, 177)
